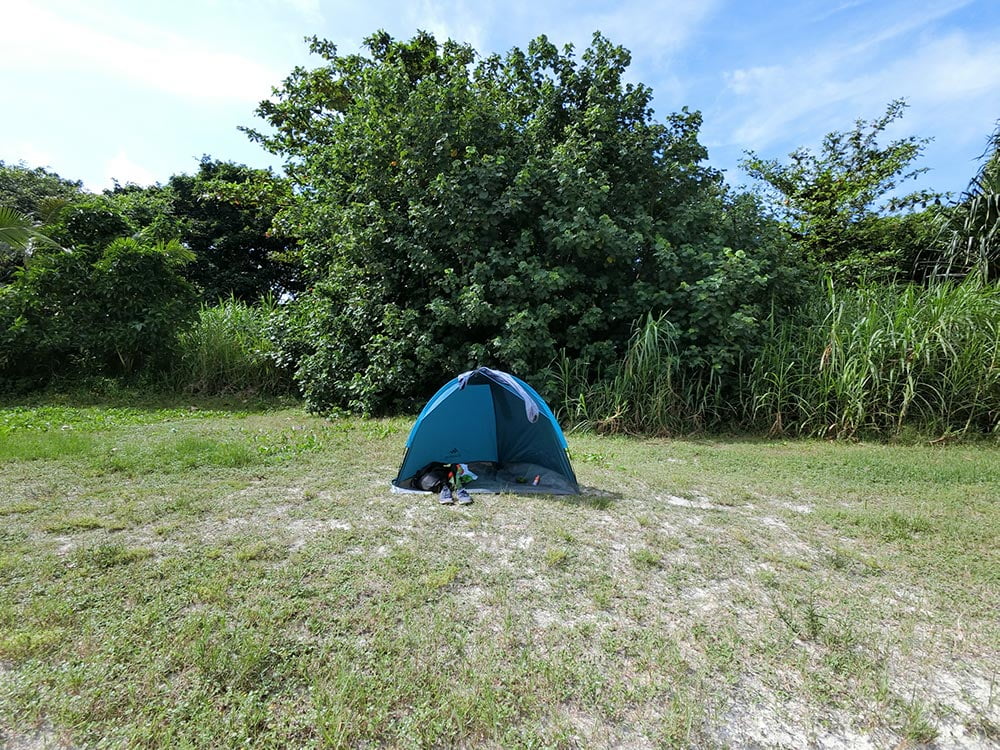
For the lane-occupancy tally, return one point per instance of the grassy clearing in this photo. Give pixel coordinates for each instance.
(174, 577)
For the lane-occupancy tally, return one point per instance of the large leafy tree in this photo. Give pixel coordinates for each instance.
(223, 214)
(845, 206)
(456, 211)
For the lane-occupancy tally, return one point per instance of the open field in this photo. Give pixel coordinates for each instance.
(189, 577)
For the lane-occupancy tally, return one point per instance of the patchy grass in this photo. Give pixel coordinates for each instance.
(173, 576)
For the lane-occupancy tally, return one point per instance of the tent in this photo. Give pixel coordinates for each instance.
(499, 426)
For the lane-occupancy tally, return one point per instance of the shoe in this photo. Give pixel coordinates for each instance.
(446, 498)
(464, 498)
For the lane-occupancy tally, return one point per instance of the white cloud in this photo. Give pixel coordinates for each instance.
(750, 80)
(949, 69)
(940, 78)
(124, 170)
(914, 19)
(30, 154)
(148, 56)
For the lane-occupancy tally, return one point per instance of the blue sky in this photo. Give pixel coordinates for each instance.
(140, 90)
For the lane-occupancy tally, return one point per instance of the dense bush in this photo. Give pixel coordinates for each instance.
(456, 212)
(871, 361)
(116, 313)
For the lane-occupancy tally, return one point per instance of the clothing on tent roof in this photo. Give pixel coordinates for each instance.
(507, 381)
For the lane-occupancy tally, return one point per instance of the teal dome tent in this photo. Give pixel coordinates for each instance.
(500, 427)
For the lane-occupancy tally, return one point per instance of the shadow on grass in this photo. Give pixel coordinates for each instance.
(589, 497)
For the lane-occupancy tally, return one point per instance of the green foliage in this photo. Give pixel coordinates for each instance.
(19, 237)
(19, 231)
(89, 225)
(456, 211)
(148, 211)
(31, 191)
(224, 215)
(39, 313)
(228, 349)
(30, 201)
(876, 359)
(836, 204)
(117, 314)
(652, 392)
(145, 303)
(114, 302)
(973, 228)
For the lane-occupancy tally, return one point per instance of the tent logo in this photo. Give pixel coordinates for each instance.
(454, 452)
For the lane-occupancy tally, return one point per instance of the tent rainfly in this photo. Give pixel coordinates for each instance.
(500, 427)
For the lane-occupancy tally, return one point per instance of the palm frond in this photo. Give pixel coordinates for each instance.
(19, 231)
(974, 242)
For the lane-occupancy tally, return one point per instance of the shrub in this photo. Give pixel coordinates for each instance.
(228, 349)
(116, 316)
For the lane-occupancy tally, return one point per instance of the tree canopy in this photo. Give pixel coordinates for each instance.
(222, 213)
(844, 206)
(32, 190)
(457, 210)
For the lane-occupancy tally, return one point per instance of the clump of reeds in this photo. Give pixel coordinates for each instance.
(874, 359)
(651, 392)
(228, 350)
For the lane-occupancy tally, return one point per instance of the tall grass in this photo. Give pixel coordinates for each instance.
(871, 361)
(879, 358)
(228, 351)
(651, 392)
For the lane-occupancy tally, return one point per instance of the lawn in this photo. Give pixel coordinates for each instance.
(220, 575)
